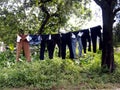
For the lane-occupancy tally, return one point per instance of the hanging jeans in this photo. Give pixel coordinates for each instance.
(45, 39)
(50, 43)
(56, 40)
(66, 41)
(86, 38)
(74, 44)
(35, 39)
(96, 32)
(23, 44)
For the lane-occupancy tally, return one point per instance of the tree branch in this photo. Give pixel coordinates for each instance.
(44, 9)
(102, 3)
(47, 17)
(98, 2)
(54, 15)
(43, 24)
(44, 1)
(116, 10)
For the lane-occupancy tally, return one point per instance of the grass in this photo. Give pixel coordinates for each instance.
(57, 74)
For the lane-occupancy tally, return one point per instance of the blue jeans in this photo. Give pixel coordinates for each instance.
(35, 39)
(74, 45)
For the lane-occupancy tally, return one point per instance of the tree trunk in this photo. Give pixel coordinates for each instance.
(47, 16)
(107, 51)
(44, 22)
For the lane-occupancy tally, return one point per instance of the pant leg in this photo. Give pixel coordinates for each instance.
(100, 37)
(68, 40)
(74, 41)
(94, 42)
(59, 46)
(63, 46)
(42, 50)
(43, 45)
(18, 50)
(57, 40)
(80, 45)
(84, 43)
(70, 50)
(26, 49)
(50, 47)
(94, 38)
(88, 39)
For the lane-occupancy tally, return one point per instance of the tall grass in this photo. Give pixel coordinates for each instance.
(57, 73)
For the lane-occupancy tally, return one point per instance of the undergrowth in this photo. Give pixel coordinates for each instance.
(82, 73)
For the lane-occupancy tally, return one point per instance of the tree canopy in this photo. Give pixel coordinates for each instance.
(40, 16)
(49, 16)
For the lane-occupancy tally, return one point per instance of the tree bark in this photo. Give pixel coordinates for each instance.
(107, 51)
(44, 22)
(108, 14)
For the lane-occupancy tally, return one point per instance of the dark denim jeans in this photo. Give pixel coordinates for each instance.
(66, 41)
(35, 39)
(50, 44)
(86, 38)
(56, 41)
(43, 45)
(96, 32)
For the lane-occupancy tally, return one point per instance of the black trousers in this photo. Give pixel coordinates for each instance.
(56, 41)
(43, 44)
(96, 32)
(50, 44)
(86, 38)
(66, 41)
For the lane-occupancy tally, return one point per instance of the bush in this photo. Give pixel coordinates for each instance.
(57, 73)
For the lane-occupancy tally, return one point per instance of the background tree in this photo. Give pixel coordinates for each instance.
(109, 10)
(116, 35)
(39, 16)
(56, 13)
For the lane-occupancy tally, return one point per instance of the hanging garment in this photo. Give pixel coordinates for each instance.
(86, 38)
(50, 41)
(23, 44)
(66, 41)
(35, 39)
(56, 41)
(43, 44)
(76, 37)
(96, 32)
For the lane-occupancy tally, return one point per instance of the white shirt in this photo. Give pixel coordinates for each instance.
(18, 38)
(80, 34)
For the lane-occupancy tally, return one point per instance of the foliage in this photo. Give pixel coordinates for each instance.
(31, 14)
(57, 73)
(116, 34)
(40, 74)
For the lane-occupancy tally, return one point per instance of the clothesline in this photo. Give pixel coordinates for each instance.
(66, 39)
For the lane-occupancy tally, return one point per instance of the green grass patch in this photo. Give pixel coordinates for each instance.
(82, 73)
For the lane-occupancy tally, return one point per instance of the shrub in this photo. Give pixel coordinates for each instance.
(57, 73)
